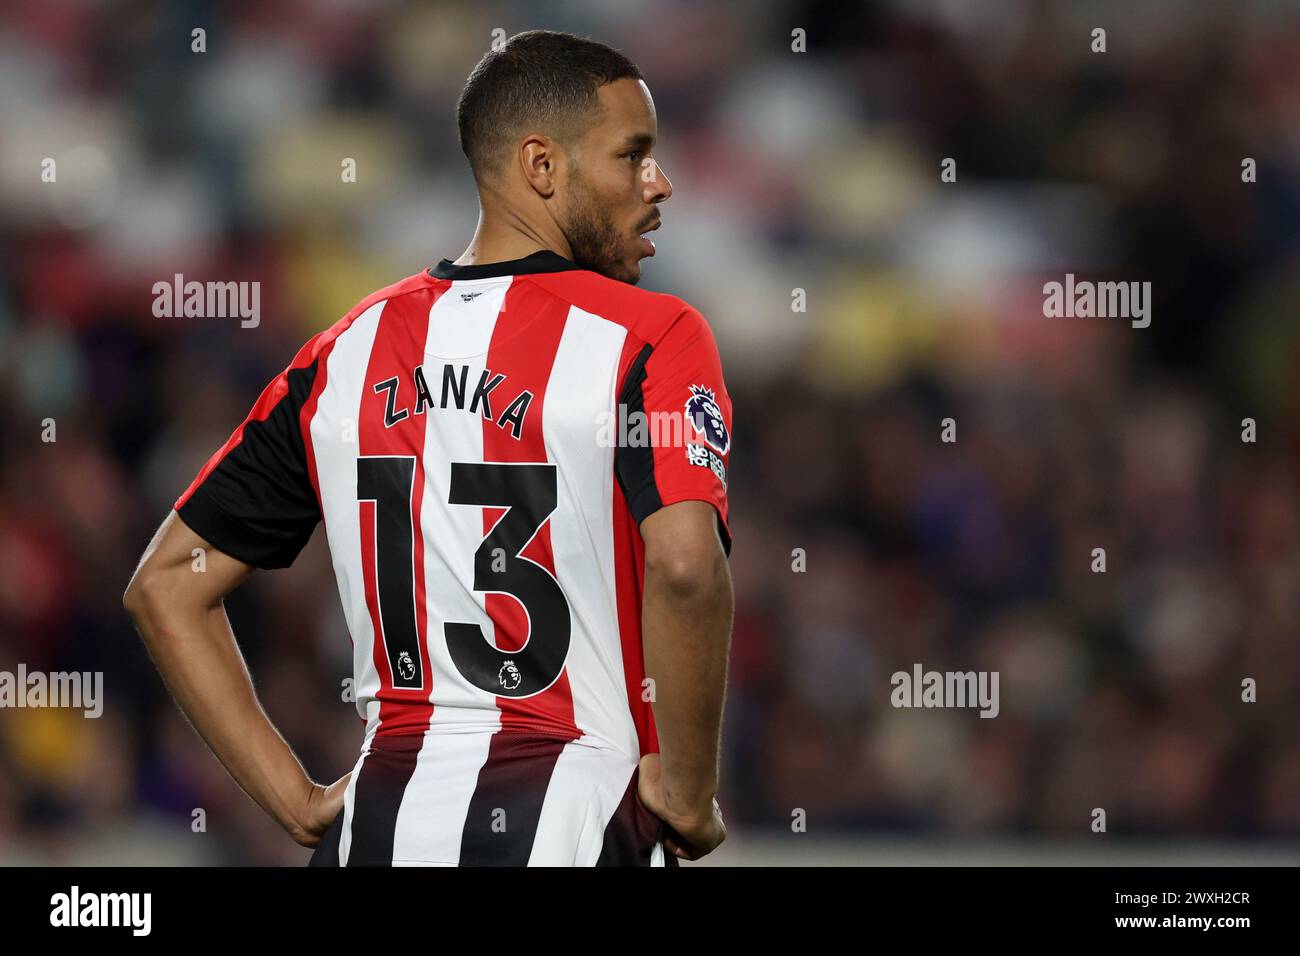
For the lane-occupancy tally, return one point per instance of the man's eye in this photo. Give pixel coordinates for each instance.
(634, 155)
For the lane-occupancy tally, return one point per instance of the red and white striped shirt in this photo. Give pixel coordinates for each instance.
(469, 438)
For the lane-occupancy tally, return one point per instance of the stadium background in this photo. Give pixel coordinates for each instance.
(816, 171)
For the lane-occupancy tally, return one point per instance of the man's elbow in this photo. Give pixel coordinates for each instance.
(688, 572)
(141, 593)
(152, 592)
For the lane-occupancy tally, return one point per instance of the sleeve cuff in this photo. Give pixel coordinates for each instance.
(650, 499)
(206, 518)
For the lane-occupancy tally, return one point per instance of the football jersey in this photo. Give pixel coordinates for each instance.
(481, 443)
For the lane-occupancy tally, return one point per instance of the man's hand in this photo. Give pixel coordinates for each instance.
(321, 806)
(696, 831)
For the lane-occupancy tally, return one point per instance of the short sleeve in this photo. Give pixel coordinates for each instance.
(677, 444)
(256, 498)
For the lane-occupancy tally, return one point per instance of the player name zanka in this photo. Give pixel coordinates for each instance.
(922, 688)
(454, 389)
(208, 300)
(75, 690)
(1086, 299)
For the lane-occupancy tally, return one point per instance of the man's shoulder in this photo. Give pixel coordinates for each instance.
(321, 341)
(645, 314)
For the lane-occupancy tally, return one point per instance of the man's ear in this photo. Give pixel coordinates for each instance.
(542, 160)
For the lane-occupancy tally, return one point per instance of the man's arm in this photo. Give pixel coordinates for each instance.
(686, 633)
(182, 619)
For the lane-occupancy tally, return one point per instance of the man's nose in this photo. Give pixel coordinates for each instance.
(658, 186)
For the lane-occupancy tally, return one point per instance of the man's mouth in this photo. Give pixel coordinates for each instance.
(648, 247)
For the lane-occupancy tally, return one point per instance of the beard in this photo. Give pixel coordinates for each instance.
(594, 239)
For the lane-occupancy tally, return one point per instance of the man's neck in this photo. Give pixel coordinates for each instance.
(497, 241)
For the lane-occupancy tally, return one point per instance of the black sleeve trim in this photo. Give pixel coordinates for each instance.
(635, 466)
(258, 504)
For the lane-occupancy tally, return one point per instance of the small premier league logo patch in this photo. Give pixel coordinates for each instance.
(706, 418)
(405, 666)
(509, 675)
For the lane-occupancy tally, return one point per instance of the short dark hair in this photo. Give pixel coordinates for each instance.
(541, 79)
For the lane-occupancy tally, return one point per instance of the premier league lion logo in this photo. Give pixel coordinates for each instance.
(405, 666)
(706, 418)
(509, 675)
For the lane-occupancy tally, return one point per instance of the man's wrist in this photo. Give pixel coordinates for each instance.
(690, 802)
(299, 814)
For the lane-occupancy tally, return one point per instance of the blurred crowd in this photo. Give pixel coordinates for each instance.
(859, 301)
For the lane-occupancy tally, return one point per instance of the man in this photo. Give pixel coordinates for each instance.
(540, 614)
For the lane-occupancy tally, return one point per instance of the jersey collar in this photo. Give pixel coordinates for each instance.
(543, 260)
